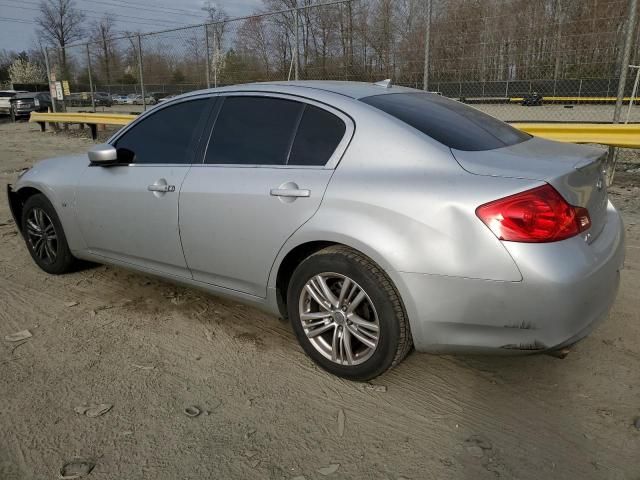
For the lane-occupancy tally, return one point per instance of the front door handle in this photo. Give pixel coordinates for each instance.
(161, 188)
(290, 192)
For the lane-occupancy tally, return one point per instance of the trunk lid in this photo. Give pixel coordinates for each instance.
(577, 172)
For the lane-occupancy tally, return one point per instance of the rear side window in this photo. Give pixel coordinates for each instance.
(166, 136)
(318, 135)
(254, 131)
(451, 123)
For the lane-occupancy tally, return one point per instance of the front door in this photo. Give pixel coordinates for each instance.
(267, 165)
(129, 211)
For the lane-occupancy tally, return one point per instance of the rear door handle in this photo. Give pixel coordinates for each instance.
(290, 192)
(161, 188)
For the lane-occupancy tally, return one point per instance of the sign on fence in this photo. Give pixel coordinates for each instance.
(59, 93)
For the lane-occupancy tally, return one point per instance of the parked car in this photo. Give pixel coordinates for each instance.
(373, 218)
(164, 99)
(156, 96)
(78, 99)
(43, 101)
(130, 98)
(119, 99)
(22, 104)
(137, 100)
(102, 99)
(5, 100)
(532, 100)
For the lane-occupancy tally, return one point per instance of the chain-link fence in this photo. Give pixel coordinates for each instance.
(519, 60)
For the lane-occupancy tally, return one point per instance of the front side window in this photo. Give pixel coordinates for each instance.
(165, 137)
(451, 123)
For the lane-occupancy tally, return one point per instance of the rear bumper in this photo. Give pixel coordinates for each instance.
(24, 113)
(567, 289)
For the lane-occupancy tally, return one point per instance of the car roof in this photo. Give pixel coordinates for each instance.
(353, 90)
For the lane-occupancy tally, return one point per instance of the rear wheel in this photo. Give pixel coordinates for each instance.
(347, 315)
(44, 236)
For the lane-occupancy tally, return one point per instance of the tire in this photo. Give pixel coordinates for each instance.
(379, 307)
(53, 255)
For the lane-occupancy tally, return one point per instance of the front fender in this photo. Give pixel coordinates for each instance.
(56, 179)
(15, 206)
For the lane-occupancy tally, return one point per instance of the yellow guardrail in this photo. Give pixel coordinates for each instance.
(90, 119)
(616, 135)
(97, 118)
(572, 99)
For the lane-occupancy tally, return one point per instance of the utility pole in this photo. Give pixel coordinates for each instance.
(634, 92)
(206, 42)
(216, 55)
(144, 100)
(93, 98)
(626, 55)
(427, 46)
(297, 40)
(46, 62)
(612, 159)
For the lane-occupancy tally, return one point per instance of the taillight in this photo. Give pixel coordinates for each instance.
(536, 216)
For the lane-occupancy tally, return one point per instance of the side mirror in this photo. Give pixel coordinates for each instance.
(103, 154)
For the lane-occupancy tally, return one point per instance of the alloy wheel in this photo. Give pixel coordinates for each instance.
(339, 318)
(42, 235)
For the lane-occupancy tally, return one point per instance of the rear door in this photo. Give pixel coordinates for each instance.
(129, 211)
(267, 164)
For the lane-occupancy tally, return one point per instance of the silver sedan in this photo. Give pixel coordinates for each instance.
(375, 218)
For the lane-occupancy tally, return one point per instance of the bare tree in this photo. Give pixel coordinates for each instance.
(215, 13)
(253, 39)
(60, 24)
(103, 32)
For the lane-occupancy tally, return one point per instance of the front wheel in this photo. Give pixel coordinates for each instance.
(44, 236)
(347, 315)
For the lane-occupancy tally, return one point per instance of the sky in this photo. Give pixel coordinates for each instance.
(18, 30)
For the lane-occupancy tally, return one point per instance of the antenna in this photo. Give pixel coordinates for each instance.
(384, 83)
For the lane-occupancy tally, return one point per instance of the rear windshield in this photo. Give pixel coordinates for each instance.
(451, 123)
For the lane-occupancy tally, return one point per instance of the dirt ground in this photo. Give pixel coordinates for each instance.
(150, 349)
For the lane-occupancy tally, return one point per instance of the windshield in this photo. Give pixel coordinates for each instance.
(451, 123)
